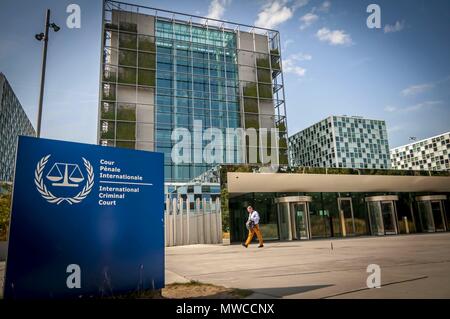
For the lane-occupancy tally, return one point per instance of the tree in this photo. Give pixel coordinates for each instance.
(5, 206)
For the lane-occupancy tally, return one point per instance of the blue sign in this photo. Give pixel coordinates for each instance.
(86, 221)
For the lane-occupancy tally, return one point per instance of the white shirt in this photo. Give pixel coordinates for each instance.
(254, 216)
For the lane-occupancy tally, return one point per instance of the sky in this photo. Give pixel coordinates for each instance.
(333, 63)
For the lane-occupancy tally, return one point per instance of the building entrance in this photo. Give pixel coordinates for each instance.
(382, 214)
(431, 213)
(293, 217)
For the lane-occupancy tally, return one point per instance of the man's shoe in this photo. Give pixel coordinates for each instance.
(260, 246)
(245, 245)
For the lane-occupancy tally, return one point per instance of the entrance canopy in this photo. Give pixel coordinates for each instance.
(239, 183)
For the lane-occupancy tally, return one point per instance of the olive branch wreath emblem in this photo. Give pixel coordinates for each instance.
(42, 189)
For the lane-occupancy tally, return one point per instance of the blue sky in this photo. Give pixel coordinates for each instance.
(333, 63)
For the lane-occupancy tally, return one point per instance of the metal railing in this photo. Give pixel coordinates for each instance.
(186, 224)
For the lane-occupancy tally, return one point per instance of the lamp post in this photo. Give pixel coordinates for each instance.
(44, 36)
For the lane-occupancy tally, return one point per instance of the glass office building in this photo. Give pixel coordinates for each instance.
(341, 141)
(164, 70)
(307, 203)
(13, 122)
(432, 153)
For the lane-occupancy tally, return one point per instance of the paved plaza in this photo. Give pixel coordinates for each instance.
(412, 266)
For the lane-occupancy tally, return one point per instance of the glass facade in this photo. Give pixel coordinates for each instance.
(197, 80)
(430, 154)
(328, 215)
(13, 122)
(163, 70)
(342, 141)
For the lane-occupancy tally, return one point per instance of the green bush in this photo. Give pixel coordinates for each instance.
(282, 143)
(281, 126)
(251, 120)
(128, 26)
(265, 90)
(126, 131)
(264, 75)
(147, 60)
(276, 65)
(250, 105)
(127, 57)
(109, 134)
(5, 206)
(274, 52)
(263, 62)
(126, 112)
(111, 95)
(250, 89)
(108, 112)
(146, 77)
(146, 43)
(283, 158)
(127, 75)
(127, 41)
(109, 76)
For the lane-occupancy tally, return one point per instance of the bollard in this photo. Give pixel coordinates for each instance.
(405, 220)
(342, 219)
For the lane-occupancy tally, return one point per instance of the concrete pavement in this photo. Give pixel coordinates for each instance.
(412, 266)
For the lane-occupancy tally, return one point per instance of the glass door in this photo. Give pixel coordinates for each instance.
(426, 216)
(389, 219)
(293, 217)
(300, 220)
(431, 212)
(375, 218)
(346, 216)
(284, 221)
(382, 214)
(438, 215)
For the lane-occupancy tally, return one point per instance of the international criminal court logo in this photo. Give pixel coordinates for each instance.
(63, 176)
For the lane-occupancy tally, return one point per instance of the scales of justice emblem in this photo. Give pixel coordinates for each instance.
(60, 173)
(63, 175)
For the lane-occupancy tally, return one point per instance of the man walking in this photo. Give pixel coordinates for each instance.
(253, 227)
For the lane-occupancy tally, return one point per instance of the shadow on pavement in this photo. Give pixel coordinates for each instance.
(286, 291)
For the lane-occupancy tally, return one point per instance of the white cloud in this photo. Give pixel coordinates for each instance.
(307, 20)
(299, 3)
(390, 109)
(334, 37)
(290, 63)
(301, 57)
(420, 106)
(325, 6)
(398, 26)
(412, 108)
(217, 9)
(417, 89)
(290, 67)
(275, 12)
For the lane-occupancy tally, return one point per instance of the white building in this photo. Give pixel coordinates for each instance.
(432, 153)
(341, 141)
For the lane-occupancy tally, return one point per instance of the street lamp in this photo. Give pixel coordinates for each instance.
(44, 36)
